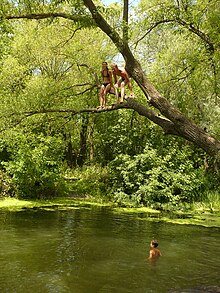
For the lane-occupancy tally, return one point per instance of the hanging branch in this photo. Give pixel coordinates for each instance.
(204, 37)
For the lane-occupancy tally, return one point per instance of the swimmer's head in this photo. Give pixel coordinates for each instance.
(154, 243)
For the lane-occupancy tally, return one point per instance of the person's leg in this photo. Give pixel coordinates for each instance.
(107, 89)
(116, 93)
(101, 96)
(122, 91)
(130, 88)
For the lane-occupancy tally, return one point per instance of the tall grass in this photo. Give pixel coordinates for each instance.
(210, 202)
(88, 181)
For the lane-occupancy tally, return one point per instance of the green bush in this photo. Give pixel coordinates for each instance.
(89, 181)
(36, 168)
(151, 178)
(6, 185)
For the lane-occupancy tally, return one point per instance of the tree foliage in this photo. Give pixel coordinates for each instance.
(49, 79)
(182, 55)
(151, 179)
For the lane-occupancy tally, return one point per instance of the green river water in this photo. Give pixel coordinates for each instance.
(94, 250)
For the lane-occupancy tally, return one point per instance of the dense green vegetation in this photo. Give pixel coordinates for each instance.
(50, 65)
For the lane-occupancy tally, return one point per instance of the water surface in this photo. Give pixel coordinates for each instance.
(93, 250)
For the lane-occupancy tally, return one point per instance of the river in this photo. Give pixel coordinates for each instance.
(94, 250)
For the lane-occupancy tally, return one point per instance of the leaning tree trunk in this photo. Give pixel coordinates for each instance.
(177, 123)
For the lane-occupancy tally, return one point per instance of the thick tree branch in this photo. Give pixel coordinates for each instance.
(190, 132)
(168, 126)
(198, 32)
(130, 103)
(85, 19)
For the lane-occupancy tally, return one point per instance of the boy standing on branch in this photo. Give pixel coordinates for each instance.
(122, 82)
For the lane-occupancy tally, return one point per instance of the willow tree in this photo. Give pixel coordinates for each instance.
(190, 16)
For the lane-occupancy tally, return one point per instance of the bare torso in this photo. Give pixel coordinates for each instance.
(122, 73)
(154, 253)
(106, 76)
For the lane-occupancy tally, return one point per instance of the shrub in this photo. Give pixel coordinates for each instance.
(36, 168)
(150, 178)
(89, 180)
(6, 185)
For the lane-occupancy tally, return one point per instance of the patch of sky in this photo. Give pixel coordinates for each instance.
(36, 71)
(119, 60)
(109, 2)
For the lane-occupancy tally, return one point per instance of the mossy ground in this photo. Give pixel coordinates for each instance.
(203, 217)
(14, 204)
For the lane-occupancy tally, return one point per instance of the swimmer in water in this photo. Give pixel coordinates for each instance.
(154, 251)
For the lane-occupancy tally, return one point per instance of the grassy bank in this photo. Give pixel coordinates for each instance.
(198, 215)
(13, 204)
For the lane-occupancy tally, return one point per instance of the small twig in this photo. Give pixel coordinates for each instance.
(70, 38)
(151, 28)
(92, 71)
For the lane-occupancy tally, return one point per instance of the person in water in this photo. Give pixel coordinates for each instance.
(154, 251)
(122, 82)
(106, 84)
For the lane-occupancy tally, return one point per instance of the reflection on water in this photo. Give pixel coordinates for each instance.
(92, 250)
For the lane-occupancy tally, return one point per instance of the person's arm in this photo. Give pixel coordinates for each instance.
(130, 88)
(127, 79)
(124, 74)
(115, 77)
(101, 72)
(150, 255)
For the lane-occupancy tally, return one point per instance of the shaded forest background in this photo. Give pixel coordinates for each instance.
(50, 66)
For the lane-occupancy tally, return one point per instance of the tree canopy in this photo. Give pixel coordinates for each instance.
(51, 54)
(184, 31)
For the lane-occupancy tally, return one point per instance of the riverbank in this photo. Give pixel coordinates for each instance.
(197, 215)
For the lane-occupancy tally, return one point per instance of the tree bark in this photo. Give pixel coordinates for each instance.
(83, 142)
(91, 141)
(125, 22)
